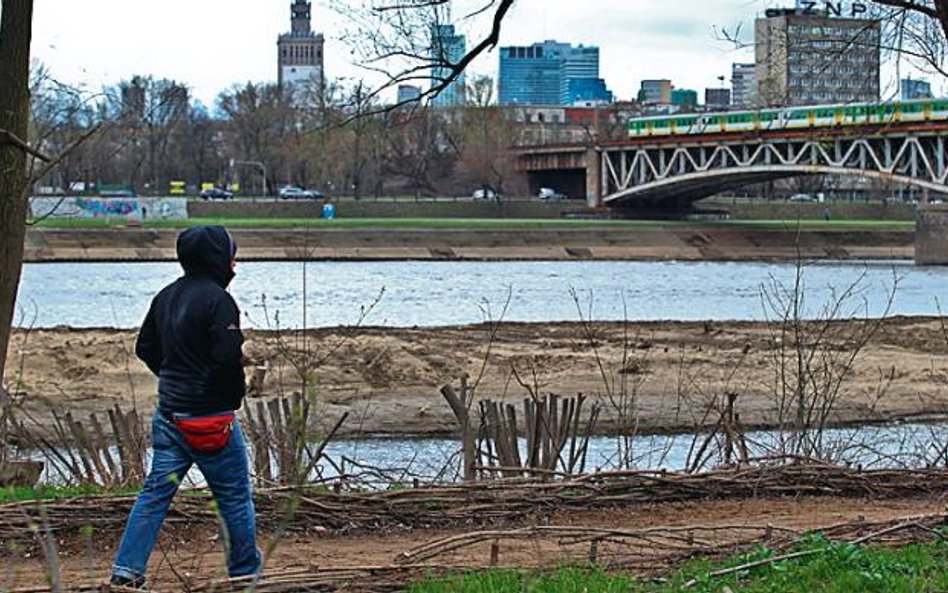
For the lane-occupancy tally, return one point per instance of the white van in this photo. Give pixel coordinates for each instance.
(548, 193)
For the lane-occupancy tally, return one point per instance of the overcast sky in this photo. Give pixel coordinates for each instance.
(209, 45)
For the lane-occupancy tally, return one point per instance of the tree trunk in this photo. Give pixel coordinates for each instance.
(16, 23)
(941, 13)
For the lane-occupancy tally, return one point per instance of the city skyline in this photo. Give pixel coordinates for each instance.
(77, 42)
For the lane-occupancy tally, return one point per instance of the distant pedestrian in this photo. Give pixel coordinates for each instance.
(191, 340)
(826, 214)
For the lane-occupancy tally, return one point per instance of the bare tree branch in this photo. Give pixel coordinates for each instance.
(911, 5)
(7, 137)
(52, 163)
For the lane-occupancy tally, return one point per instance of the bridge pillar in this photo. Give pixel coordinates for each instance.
(593, 178)
(931, 235)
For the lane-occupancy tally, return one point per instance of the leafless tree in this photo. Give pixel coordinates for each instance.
(15, 34)
(394, 40)
(146, 114)
(917, 30)
(258, 118)
(483, 135)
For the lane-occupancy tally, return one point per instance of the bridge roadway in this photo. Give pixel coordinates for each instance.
(669, 172)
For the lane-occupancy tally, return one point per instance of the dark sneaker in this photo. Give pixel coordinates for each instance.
(120, 581)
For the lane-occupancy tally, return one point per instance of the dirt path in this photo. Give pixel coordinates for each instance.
(389, 378)
(193, 553)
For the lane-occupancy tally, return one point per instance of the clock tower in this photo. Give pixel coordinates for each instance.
(300, 52)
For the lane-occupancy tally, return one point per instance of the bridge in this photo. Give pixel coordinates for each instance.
(672, 172)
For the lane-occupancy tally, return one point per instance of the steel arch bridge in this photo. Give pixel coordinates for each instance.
(675, 171)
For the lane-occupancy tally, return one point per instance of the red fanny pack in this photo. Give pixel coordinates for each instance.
(206, 434)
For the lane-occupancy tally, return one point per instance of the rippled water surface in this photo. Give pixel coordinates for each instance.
(447, 293)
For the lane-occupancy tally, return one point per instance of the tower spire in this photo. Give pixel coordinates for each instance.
(301, 11)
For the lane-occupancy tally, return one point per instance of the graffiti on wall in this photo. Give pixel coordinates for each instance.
(107, 207)
(164, 208)
(124, 208)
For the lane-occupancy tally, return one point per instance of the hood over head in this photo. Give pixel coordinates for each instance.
(207, 251)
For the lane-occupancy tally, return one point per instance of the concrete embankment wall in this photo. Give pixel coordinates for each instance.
(931, 229)
(646, 243)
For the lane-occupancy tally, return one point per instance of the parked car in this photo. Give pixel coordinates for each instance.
(118, 193)
(288, 193)
(548, 193)
(801, 198)
(216, 193)
(485, 193)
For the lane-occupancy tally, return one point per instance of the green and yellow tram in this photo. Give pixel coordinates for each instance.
(812, 116)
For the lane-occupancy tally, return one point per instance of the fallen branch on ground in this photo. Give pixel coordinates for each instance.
(493, 503)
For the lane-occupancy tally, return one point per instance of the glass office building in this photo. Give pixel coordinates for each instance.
(550, 73)
(447, 47)
(915, 89)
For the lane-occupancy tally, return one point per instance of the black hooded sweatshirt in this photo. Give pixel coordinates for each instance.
(191, 336)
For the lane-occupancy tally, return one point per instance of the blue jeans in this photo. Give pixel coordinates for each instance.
(228, 476)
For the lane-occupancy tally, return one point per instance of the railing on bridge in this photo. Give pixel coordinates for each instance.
(678, 170)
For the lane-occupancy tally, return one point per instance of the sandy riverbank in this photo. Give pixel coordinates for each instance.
(389, 379)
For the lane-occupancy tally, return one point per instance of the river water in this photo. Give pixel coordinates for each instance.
(380, 462)
(909, 445)
(407, 293)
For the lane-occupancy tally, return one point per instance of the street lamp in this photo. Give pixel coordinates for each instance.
(255, 163)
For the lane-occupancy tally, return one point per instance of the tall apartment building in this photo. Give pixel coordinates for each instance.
(655, 92)
(141, 96)
(133, 98)
(447, 47)
(743, 84)
(300, 52)
(551, 73)
(806, 57)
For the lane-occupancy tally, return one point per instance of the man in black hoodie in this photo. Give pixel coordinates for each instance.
(191, 340)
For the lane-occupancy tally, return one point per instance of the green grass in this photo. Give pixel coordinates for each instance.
(565, 580)
(450, 223)
(833, 568)
(475, 223)
(22, 493)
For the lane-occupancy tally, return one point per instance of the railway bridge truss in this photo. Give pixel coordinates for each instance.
(675, 171)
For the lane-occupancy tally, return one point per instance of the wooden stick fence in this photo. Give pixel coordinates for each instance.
(549, 423)
(734, 447)
(86, 453)
(111, 451)
(280, 437)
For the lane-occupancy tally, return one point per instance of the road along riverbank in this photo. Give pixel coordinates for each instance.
(687, 242)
